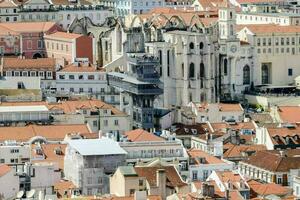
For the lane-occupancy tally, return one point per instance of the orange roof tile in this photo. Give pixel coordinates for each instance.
(64, 35)
(50, 155)
(70, 107)
(50, 132)
(7, 4)
(140, 135)
(289, 114)
(31, 27)
(237, 150)
(223, 107)
(64, 186)
(173, 177)
(196, 153)
(270, 28)
(40, 63)
(4, 169)
(80, 68)
(264, 189)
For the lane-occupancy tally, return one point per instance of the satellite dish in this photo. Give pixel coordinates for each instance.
(20, 194)
(30, 193)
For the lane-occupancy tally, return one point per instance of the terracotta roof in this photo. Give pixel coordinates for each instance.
(62, 186)
(270, 28)
(64, 35)
(80, 68)
(28, 27)
(70, 107)
(264, 189)
(4, 169)
(21, 64)
(50, 155)
(173, 177)
(186, 129)
(236, 151)
(221, 126)
(223, 107)
(289, 114)
(140, 135)
(195, 154)
(280, 163)
(285, 136)
(7, 4)
(149, 197)
(211, 4)
(50, 132)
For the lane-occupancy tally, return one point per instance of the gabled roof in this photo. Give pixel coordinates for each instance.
(90, 147)
(173, 177)
(64, 35)
(236, 151)
(140, 135)
(289, 114)
(22, 64)
(195, 154)
(28, 27)
(4, 169)
(264, 189)
(262, 29)
(50, 132)
(280, 162)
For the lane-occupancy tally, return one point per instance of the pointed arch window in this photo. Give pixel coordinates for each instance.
(246, 75)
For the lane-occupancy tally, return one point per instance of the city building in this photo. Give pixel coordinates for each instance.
(201, 165)
(280, 138)
(26, 38)
(141, 84)
(13, 153)
(44, 133)
(9, 182)
(85, 79)
(89, 162)
(217, 112)
(95, 113)
(68, 46)
(282, 169)
(9, 11)
(232, 184)
(43, 68)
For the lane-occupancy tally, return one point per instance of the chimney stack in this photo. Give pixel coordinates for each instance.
(161, 180)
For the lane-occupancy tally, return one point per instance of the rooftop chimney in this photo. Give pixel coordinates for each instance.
(161, 180)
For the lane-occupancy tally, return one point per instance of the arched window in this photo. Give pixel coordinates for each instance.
(202, 71)
(192, 70)
(265, 74)
(246, 75)
(160, 61)
(68, 17)
(231, 29)
(225, 67)
(191, 45)
(182, 70)
(202, 75)
(201, 45)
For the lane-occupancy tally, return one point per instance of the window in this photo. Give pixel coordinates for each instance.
(141, 182)
(80, 90)
(258, 41)
(80, 77)
(131, 191)
(225, 67)
(192, 70)
(71, 89)
(41, 74)
(191, 45)
(246, 75)
(195, 175)
(105, 123)
(282, 41)
(90, 90)
(49, 74)
(279, 179)
(290, 72)
(95, 123)
(91, 77)
(71, 77)
(14, 151)
(201, 45)
(116, 122)
(61, 77)
(265, 74)
(2, 160)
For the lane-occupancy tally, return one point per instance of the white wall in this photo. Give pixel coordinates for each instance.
(9, 185)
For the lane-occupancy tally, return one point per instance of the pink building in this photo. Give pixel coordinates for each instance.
(25, 38)
(68, 46)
